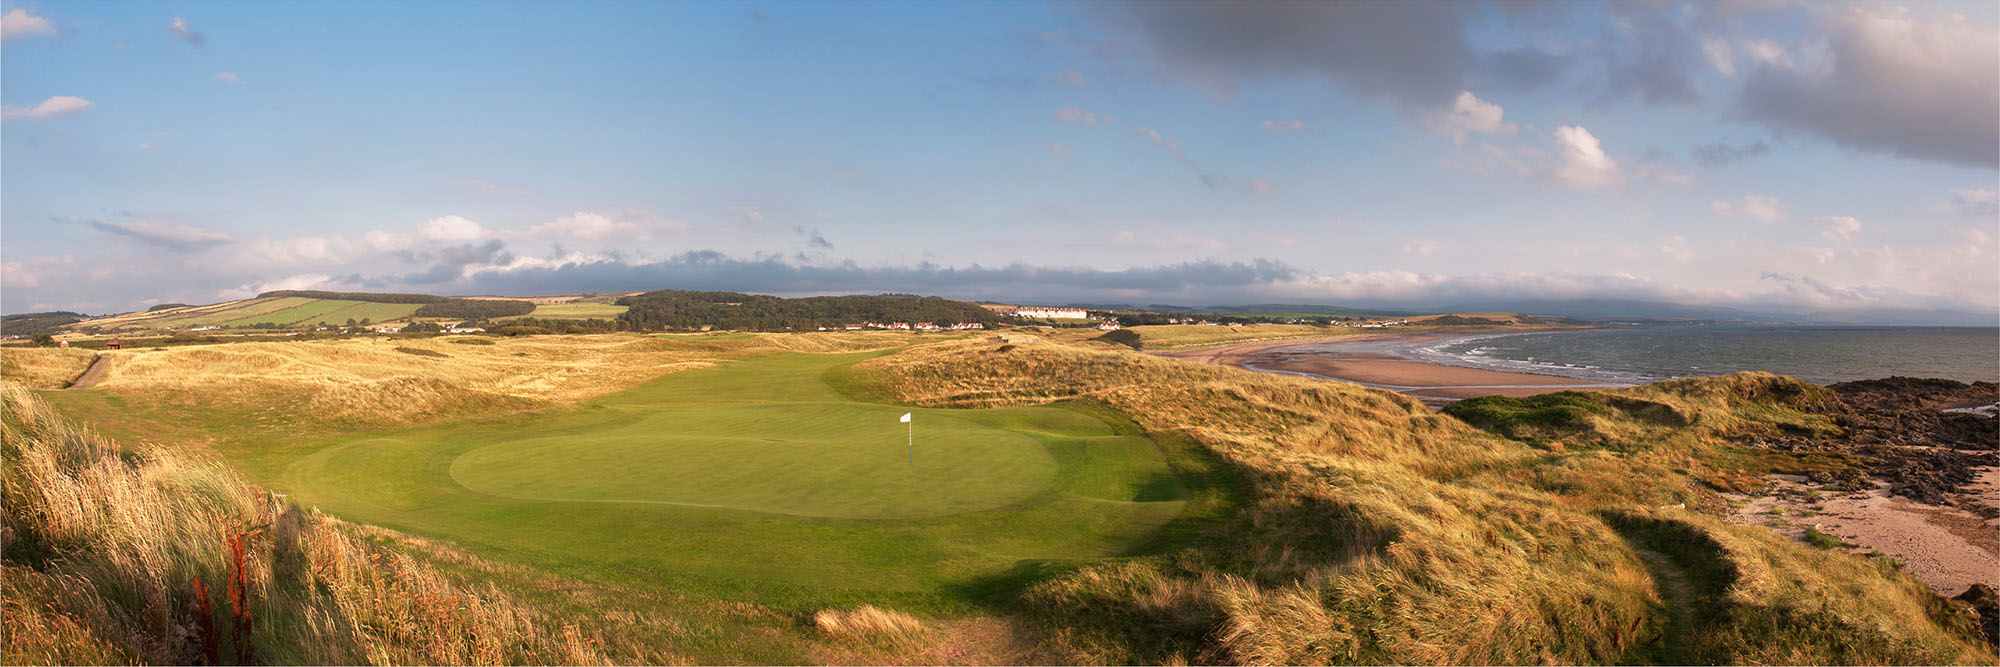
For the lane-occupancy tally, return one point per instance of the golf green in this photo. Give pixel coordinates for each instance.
(808, 459)
(758, 479)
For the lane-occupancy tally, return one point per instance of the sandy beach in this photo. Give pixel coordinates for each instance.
(1361, 359)
(1949, 548)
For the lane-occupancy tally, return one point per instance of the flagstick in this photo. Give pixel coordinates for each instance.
(910, 433)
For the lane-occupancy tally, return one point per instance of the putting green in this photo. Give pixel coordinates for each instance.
(807, 459)
(757, 479)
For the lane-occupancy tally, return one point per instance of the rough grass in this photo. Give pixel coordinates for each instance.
(43, 367)
(1379, 533)
(163, 559)
(868, 623)
(380, 382)
(1184, 336)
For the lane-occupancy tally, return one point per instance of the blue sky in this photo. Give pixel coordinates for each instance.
(1794, 157)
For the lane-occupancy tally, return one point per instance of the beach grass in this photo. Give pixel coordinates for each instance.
(156, 557)
(1377, 532)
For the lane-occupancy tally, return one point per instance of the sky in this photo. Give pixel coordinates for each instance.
(1791, 157)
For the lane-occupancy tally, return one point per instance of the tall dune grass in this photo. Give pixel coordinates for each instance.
(43, 367)
(1377, 532)
(160, 558)
(369, 382)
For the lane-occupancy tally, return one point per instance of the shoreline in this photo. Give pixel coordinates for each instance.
(1370, 366)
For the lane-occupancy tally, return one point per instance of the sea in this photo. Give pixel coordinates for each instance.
(1640, 354)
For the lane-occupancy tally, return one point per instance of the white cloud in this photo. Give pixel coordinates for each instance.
(23, 23)
(1767, 209)
(1263, 187)
(1071, 114)
(295, 282)
(1581, 162)
(1069, 77)
(32, 272)
(170, 234)
(60, 105)
(1469, 114)
(750, 214)
(179, 29)
(1420, 247)
(229, 77)
(302, 251)
(1288, 127)
(1172, 145)
(1839, 228)
(1057, 149)
(1977, 241)
(381, 241)
(1676, 247)
(1767, 53)
(450, 228)
(589, 226)
(1884, 79)
(1975, 201)
(1719, 55)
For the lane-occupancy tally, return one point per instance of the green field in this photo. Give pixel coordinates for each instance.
(759, 479)
(283, 311)
(577, 311)
(330, 311)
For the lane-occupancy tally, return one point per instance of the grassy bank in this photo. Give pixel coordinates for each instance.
(1377, 532)
(163, 558)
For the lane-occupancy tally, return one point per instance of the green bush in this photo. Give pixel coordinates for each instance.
(1533, 416)
(1125, 337)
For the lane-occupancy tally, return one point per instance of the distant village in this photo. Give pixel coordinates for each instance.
(1060, 316)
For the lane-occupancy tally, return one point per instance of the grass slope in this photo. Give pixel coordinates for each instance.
(577, 311)
(157, 557)
(1376, 532)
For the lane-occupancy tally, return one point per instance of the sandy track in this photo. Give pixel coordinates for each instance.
(92, 374)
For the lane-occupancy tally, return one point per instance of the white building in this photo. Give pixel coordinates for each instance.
(1050, 313)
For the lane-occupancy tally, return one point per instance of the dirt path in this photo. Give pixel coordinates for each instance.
(93, 374)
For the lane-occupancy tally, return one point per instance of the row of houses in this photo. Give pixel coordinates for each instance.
(1049, 313)
(1376, 325)
(906, 326)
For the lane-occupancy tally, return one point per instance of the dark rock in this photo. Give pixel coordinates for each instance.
(1987, 604)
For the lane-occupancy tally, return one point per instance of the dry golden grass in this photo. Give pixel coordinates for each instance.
(165, 559)
(1185, 336)
(368, 381)
(868, 622)
(43, 367)
(1377, 532)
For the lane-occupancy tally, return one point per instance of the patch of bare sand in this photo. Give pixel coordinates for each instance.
(1948, 548)
(1367, 365)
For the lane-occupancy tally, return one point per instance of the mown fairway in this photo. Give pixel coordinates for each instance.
(758, 478)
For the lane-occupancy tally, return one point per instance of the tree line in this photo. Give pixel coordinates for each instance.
(678, 309)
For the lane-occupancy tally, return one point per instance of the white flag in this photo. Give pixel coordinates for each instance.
(906, 418)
